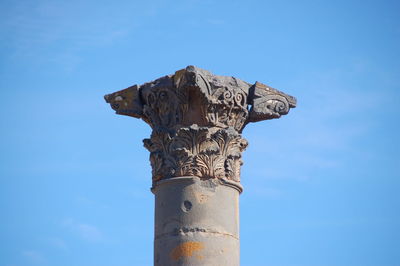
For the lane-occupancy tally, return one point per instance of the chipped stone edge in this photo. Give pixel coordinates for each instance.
(196, 179)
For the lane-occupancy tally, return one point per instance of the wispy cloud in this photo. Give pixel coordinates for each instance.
(87, 202)
(57, 243)
(85, 231)
(334, 118)
(33, 256)
(48, 21)
(56, 32)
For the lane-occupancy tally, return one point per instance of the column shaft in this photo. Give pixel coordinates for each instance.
(196, 222)
(196, 153)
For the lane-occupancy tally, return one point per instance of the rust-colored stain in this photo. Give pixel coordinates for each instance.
(186, 250)
(201, 198)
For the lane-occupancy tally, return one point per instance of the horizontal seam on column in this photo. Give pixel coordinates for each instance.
(174, 234)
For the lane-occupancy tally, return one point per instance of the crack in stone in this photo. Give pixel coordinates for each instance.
(189, 230)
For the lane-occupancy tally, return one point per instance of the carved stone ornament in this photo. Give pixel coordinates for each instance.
(197, 118)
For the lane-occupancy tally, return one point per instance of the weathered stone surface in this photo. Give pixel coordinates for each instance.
(268, 103)
(197, 118)
(196, 222)
(195, 153)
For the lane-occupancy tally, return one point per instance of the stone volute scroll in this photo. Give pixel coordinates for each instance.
(195, 153)
(197, 119)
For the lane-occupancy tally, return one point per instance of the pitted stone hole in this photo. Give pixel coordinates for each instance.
(186, 206)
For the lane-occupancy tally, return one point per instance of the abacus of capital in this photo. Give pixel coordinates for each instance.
(195, 154)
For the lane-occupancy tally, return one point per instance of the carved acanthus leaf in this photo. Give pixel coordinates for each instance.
(197, 118)
(201, 151)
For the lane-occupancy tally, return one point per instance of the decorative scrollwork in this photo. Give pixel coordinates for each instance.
(268, 103)
(197, 118)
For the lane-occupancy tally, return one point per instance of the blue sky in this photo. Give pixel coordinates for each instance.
(321, 184)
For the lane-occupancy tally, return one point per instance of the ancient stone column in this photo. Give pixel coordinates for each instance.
(195, 154)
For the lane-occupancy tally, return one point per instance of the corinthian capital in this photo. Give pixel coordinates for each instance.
(197, 119)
